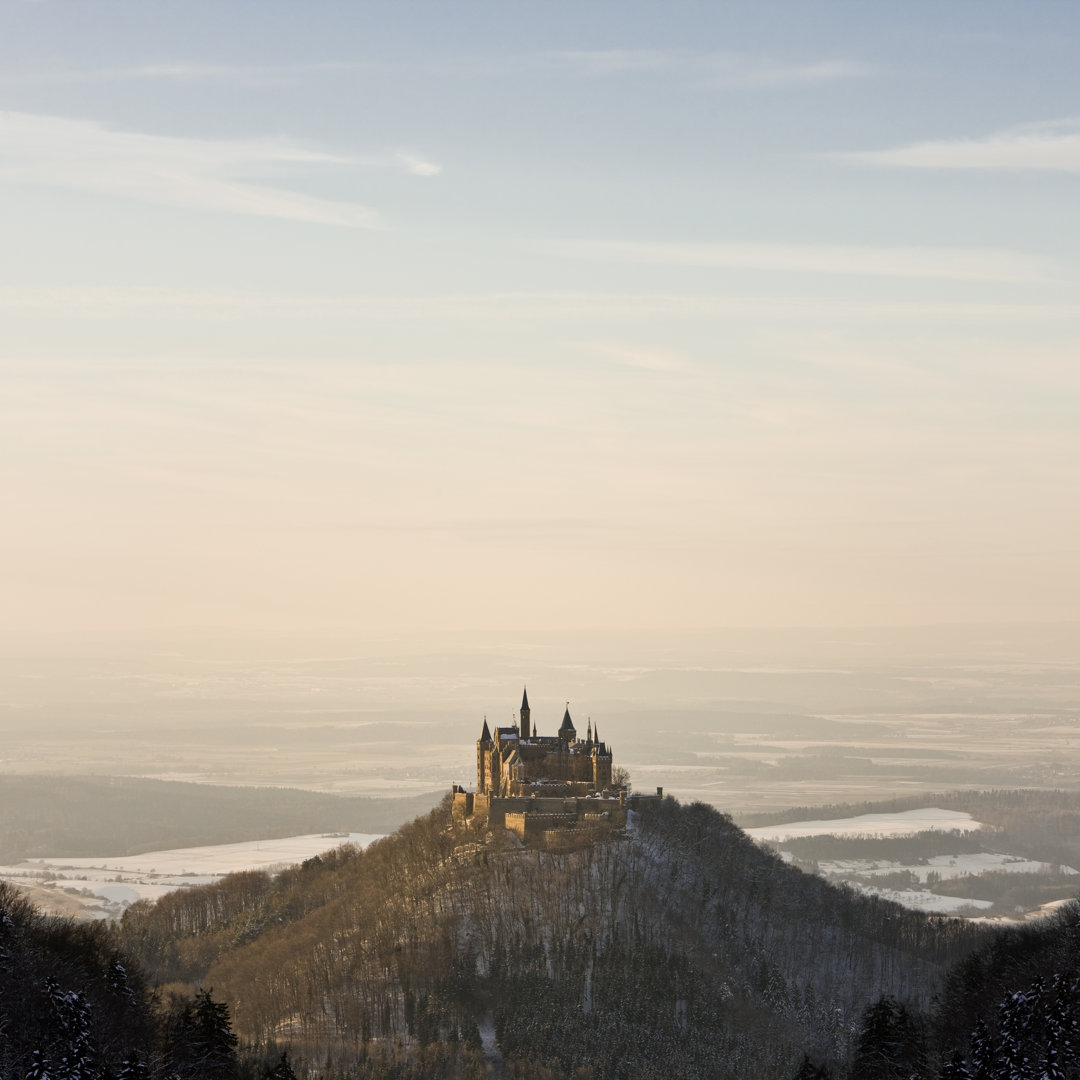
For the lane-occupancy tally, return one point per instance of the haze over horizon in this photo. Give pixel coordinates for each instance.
(393, 318)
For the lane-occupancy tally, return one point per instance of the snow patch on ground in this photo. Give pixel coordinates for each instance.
(489, 1044)
(214, 859)
(920, 900)
(945, 866)
(902, 823)
(104, 886)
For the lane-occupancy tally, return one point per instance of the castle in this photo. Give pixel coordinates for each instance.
(534, 784)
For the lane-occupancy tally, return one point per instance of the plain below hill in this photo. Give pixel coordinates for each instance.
(113, 816)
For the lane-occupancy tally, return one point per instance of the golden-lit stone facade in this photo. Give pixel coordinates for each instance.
(515, 762)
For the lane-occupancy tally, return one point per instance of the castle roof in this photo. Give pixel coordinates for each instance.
(524, 698)
(485, 735)
(567, 723)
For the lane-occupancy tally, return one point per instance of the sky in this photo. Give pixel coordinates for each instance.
(472, 316)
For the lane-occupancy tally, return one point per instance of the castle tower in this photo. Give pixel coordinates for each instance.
(601, 763)
(567, 732)
(483, 753)
(525, 714)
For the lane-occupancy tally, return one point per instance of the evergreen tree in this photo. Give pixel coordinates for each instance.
(203, 1043)
(891, 1045)
(809, 1071)
(133, 1068)
(983, 1052)
(38, 1069)
(955, 1068)
(281, 1071)
(1015, 1017)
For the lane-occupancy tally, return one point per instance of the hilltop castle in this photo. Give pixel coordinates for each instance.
(533, 783)
(518, 762)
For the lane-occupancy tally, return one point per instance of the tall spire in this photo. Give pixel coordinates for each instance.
(485, 735)
(525, 714)
(588, 733)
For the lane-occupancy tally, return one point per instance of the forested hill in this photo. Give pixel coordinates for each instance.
(677, 949)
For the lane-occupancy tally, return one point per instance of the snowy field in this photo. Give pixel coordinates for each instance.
(101, 888)
(904, 823)
(945, 866)
(861, 873)
(931, 903)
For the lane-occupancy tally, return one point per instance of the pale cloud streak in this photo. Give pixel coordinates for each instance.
(497, 308)
(963, 264)
(710, 70)
(666, 361)
(1052, 145)
(418, 166)
(196, 174)
(180, 71)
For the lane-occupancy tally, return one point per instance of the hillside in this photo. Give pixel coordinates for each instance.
(678, 949)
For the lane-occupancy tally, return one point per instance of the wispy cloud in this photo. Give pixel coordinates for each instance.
(968, 264)
(634, 356)
(180, 71)
(198, 174)
(517, 308)
(190, 72)
(418, 166)
(600, 62)
(709, 69)
(1051, 146)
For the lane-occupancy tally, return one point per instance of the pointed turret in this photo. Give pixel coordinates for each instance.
(483, 760)
(588, 733)
(567, 732)
(526, 715)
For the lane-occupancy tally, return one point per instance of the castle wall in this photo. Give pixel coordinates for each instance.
(461, 809)
(569, 788)
(481, 809)
(643, 802)
(572, 812)
(530, 826)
